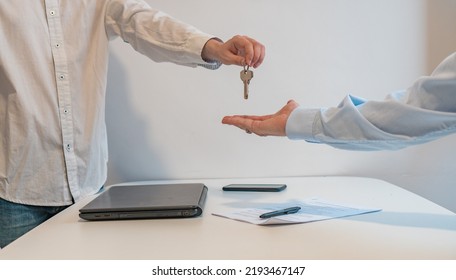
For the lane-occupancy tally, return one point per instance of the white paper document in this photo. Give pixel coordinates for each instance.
(311, 210)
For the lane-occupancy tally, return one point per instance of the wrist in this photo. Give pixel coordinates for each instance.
(210, 50)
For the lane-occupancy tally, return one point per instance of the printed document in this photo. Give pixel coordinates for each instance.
(313, 209)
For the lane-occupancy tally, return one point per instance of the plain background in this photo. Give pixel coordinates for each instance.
(164, 120)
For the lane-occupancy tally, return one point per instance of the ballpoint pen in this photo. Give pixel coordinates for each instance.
(286, 211)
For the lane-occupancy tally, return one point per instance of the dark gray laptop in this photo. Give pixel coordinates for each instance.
(146, 202)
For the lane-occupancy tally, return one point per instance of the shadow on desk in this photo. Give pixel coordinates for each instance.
(418, 220)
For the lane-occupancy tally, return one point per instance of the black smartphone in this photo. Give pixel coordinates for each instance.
(255, 187)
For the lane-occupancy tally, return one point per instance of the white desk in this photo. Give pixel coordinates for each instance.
(408, 227)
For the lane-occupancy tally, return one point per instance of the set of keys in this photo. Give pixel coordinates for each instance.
(246, 76)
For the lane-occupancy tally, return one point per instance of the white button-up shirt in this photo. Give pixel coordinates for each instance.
(53, 68)
(422, 113)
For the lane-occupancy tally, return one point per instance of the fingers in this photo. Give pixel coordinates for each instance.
(253, 124)
(239, 121)
(248, 51)
(255, 53)
(267, 125)
(254, 118)
(239, 50)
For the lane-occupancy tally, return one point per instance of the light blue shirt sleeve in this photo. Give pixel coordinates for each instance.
(422, 113)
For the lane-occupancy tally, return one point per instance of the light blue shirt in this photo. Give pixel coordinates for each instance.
(422, 113)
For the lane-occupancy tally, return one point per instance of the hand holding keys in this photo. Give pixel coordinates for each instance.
(246, 76)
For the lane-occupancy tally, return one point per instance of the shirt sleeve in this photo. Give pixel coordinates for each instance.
(422, 113)
(155, 34)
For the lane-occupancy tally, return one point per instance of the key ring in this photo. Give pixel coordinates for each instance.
(245, 70)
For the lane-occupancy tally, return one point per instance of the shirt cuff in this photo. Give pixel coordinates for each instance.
(300, 124)
(210, 64)
(198, 42)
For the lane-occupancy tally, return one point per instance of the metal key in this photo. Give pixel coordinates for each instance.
(246, 76)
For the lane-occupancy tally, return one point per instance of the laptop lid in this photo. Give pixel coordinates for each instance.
(147, 202)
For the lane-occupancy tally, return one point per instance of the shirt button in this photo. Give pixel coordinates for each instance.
(57, 45)
(68, 147)
(52, 12)
(62, 77)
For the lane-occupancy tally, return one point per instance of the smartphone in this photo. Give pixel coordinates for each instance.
(255, 187)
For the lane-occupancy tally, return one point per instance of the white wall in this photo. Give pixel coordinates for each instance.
(164, 119)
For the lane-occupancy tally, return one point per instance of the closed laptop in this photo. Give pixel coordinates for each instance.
(151, 201)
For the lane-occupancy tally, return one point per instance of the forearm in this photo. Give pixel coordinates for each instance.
(426, 111)
(353, 128)
(156, 34)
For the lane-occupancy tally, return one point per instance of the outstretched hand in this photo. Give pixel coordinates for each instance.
(268, 125)
(239, 50)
